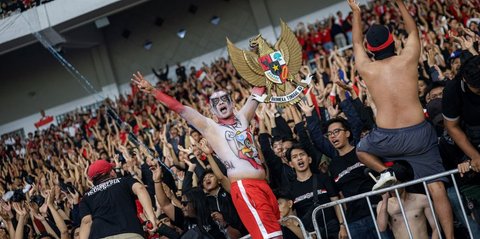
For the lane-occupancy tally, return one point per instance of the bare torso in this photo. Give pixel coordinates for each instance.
(392, 82)
(414, 206)
(235, 147)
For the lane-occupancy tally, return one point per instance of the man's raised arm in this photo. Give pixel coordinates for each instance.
(412, 47)
(248, 110)
(194, 118)
(361, 56)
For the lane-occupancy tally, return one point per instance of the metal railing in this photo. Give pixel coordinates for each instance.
(395, 188)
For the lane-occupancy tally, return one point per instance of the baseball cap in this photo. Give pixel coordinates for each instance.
(99, 167)
(455, 54)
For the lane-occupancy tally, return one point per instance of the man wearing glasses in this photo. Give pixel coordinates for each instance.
(345, 169)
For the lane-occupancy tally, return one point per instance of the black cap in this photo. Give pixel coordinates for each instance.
(377, 36)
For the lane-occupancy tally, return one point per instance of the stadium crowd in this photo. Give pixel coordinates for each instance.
(49, 180)
(9, 7)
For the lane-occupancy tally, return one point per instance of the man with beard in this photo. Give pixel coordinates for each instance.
(232, 140)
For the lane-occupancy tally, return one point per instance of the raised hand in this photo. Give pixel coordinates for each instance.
(74, 197)
(37, 215)
(203, 145)
(344, 86)
(156, 171)
(50, 197)
(305, 70)
(6, 210)
(333, 112)
(6, 206)
(19, 209)
(191, 166)
(141, 83)
(467, 42)
(353, 5)
(307, 109)
(270, 113)
(467, 31)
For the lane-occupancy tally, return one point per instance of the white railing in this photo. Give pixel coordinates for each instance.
(395, 188)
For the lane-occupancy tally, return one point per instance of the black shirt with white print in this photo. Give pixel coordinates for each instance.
(112, 207)
(348, 174)
(460, 102)
(303, 195)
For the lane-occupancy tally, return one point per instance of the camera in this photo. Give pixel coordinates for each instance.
(29, 179)
(18, 196)
(67, 187)
(37, 199)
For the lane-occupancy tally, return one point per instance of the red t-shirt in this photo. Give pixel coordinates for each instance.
(325, 35)
(316, 38)
(90, 124)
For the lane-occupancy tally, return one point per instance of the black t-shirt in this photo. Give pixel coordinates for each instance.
(112, 207)
(223, 203)
(303, 195)
(347, 173)
(288, 234)
(186, 223)
(459, 101)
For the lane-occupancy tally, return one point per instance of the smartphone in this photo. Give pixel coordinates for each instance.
(434, 74)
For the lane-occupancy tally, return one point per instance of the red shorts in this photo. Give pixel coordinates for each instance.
(257, 207)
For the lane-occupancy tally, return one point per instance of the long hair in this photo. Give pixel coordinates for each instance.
(197, 198)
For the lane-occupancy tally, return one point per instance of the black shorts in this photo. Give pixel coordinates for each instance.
(418, 145)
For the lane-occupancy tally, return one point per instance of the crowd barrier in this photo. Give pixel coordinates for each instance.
(395, 188)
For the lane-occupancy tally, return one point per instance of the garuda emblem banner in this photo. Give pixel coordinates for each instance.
(274, 67)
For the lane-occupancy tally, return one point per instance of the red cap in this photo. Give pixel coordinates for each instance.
(99, 167)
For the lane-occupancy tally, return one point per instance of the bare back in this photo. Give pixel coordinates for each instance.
(392, 82)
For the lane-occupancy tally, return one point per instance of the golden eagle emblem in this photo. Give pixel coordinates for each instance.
(276, 67)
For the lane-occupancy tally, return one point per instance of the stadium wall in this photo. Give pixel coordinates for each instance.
(110, 63)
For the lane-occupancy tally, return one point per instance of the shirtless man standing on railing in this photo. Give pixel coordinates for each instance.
(402, 132)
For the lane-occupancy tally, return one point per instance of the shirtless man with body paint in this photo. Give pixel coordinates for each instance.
(233, 143)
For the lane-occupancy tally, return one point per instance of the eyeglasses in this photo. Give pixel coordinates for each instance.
(185, 203)
(334, 132)
(216, 100)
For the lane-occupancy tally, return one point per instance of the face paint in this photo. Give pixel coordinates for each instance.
(224, 100)
(216, 100)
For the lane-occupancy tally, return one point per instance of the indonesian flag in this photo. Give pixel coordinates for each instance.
(44, 121)
(200, 75)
